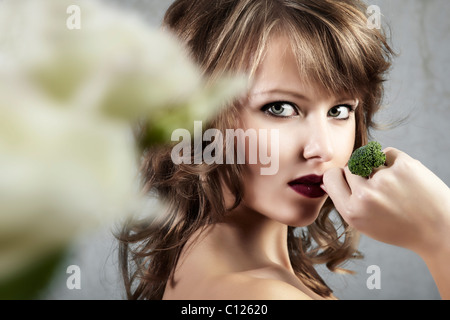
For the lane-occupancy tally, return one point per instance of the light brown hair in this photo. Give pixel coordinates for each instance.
(334, 48)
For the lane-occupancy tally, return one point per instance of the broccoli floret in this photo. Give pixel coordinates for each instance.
(365, 159)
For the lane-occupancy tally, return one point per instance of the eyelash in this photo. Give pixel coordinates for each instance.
(350, 110)
(266, 107)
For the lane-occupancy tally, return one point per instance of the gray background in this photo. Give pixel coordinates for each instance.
(418, 89)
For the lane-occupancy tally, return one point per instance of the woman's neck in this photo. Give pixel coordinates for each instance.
(253, 238)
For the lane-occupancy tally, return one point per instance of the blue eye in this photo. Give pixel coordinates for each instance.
(341, 112)
(280, 109)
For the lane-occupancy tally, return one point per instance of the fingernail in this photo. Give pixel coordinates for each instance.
(323, 188)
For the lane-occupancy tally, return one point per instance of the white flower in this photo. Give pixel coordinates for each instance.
(68, 158)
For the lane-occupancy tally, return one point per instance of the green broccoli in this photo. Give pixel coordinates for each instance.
(365, 159)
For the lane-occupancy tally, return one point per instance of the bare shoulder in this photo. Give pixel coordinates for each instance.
(238, 286)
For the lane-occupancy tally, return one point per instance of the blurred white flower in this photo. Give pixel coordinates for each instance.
(68, 99)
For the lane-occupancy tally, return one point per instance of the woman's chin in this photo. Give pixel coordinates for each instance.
(304, 215)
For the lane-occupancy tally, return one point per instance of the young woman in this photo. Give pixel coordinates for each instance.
(316, 72)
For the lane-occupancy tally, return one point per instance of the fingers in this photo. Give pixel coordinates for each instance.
(391, 155)
(336, 186)
(353, 180)
(340, 185)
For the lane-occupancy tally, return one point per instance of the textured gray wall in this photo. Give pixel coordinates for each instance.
(418, 87)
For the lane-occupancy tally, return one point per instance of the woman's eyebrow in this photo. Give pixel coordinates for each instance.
(299, 96)
(350, 100)
(282, 92)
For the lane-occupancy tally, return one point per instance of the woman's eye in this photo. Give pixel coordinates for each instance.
(280, 109)
(340, 112)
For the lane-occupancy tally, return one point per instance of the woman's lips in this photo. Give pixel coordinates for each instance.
(308, 186)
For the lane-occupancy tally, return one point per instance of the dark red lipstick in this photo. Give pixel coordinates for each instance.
(308, 186)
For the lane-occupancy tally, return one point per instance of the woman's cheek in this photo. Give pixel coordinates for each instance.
(344, 141)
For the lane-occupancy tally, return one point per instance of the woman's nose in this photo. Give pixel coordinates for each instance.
(318, 142)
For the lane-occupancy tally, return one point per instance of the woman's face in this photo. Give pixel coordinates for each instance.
(316, 132)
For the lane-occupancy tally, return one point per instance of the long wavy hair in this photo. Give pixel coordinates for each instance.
(334, 48)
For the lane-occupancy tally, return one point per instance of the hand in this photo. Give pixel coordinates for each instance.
(402, 203)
